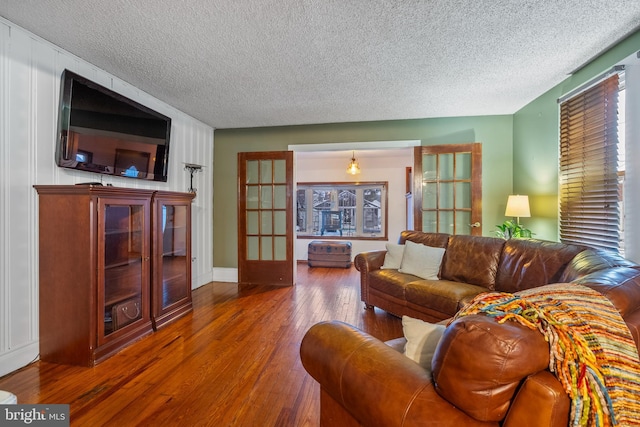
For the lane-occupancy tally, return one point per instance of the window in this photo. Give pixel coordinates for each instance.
(354, 210)
(371, 205)
(592, 166)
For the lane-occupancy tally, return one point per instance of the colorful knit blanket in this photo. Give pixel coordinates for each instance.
(591, 349)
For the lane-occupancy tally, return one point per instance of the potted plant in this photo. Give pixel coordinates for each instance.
(512, 230)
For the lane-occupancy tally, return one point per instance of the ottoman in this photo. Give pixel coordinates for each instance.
(329, 254)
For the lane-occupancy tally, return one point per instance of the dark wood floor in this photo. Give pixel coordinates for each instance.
(233, 362)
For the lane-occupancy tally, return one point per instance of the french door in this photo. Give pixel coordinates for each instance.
(448, 188)
(265, 218)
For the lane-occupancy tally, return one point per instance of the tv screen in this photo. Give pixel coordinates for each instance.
(101, 131)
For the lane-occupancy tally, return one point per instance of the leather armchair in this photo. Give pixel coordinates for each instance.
(484, 374)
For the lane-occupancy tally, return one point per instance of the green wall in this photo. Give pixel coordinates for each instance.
(494, 132)
(520, 153)
(535, 142)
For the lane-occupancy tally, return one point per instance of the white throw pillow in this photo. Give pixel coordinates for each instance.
(422, 340)
(393, 257)
(421, 260)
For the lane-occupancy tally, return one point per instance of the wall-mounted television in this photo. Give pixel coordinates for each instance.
(101, 131)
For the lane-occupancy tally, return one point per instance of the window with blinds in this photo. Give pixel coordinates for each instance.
(590, 195)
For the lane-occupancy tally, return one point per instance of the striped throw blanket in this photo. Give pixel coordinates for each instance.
(591, 349)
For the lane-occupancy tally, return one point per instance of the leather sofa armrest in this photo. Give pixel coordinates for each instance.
(366, 262)
(375, 384)
(369, 261)
(592, 260)
(621, 285)
(541, 401)
(633, 323)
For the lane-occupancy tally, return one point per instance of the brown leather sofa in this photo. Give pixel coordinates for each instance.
(483, 373)
(475, 264)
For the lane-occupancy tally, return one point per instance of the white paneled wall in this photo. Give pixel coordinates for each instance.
(30, 70)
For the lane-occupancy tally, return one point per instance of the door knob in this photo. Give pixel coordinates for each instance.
(474, 225)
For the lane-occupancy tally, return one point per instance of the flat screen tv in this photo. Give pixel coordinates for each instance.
(101, 131)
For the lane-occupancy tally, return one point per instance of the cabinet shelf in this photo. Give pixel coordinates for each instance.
(122, 282)
(131, 259)
(121, 232)
(176, 253)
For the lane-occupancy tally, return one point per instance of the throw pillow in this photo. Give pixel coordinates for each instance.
(421, 260)
(422, 340)
(393, 257)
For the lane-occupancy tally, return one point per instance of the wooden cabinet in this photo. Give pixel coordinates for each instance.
(100, 253)
(171, 262)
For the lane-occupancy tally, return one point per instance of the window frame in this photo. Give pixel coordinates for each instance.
(314, 231)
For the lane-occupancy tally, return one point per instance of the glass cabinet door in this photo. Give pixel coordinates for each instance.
(174, 255)
(171, 291)
(123, 260)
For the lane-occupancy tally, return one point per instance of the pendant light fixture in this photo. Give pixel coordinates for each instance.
(353, 168)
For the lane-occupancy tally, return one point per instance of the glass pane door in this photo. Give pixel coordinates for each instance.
(124, 255)
(171, 281)
(175, 264)
(448, 188)
(265, 218)
(266, 221)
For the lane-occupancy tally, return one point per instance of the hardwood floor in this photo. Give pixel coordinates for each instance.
(233, 362)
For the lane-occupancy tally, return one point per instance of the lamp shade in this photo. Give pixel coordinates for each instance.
(518, 206)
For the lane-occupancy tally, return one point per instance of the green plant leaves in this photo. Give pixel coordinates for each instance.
(512, 230)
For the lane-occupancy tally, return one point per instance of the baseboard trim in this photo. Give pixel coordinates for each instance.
(202, 279)
(224, 274)
(19, 358)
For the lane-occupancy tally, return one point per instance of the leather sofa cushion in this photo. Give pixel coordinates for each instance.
(390, 282)
(591, 260)
(472, 259)
(441, 295)
(480, 363)
(528, 263)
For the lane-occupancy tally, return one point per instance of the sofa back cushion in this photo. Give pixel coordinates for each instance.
(479, 364)
(528, 263)
(436, 240)
(472, 259)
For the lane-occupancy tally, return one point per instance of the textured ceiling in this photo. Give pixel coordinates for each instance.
(248, 63)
